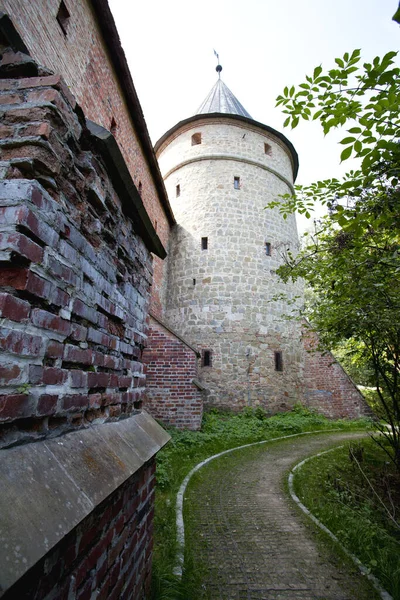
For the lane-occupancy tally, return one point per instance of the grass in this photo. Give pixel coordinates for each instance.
(355, 492)
(220, 431)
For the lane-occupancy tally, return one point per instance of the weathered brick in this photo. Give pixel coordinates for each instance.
(74, 402)
(77, 355)
(46, 405)
(18, 342)
(78, 333)
(15, 406)
(42, 318)
(21, 245)
(63, 272)
(22, 215)
(10, 374)
(83, 310)
(98, 380)
(13, 308)
(78, 378)
(55, 349)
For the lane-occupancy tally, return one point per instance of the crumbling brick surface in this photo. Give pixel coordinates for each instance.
(75, 278)
(81, 55)
(171, 367)
(108, 556)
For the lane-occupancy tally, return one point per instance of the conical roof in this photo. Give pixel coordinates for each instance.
(221, 100)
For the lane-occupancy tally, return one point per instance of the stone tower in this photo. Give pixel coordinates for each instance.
(221, 168)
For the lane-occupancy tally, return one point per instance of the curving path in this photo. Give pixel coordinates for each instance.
(249, 540)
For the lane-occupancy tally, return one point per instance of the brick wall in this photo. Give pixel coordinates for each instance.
(75, 284)
(171, 367)
(327, 387)
(75, 279)
(86, 62)
(108, 556)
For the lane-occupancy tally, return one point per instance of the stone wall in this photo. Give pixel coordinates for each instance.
(173, 393)
(221, 298)
(327, 387)
(77, 457)
(87, 53)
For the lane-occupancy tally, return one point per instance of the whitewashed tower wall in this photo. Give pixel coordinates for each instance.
(219, 298)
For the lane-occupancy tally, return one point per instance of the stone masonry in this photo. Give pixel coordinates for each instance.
(220, 297)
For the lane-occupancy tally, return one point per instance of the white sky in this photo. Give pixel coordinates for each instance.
(263, 45)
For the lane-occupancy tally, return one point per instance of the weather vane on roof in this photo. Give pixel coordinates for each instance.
(218, 68)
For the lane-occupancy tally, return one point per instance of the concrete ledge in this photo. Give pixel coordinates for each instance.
(49, 487)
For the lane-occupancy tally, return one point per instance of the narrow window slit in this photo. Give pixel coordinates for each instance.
(206, 358)
(278, 361)
(63, 17)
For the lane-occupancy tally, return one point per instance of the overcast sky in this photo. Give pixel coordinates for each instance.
(263, 45)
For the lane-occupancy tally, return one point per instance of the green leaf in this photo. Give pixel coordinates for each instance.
(317, 71)
(347, 140)
(355, 130)
(287, 121)
(357, 146)
(346, 153)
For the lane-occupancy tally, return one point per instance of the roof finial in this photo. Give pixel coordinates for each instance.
(218, 68)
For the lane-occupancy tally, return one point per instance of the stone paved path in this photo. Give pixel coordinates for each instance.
(248, 538)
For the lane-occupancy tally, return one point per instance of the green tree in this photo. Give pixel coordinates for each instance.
(352, 262)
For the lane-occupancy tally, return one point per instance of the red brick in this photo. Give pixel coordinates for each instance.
(78, 378)
(15, 406)
(10, 98)
(22, 215)
(54, 376)
(47, 404)
(78, 332)
(98, 380)
(55, 349)
(74, 402)
(18, 342)
(77, 355)
(15, 277)
(35, 129)
(13, 308)
(6, 131)
(83, 310)
(9, 374)
(38, 286)
(42, 318)
(17, 242)
(63, 272)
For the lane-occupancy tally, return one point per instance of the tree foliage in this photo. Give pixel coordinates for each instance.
(352, 261)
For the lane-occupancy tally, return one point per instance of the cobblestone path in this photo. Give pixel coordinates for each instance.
(249, 540)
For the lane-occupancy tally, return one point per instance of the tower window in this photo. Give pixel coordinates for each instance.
(63, 17)
(278, 361)
(178, 190)
(236, 183)
(113, 126)
(196, 139)
(206, 358)
(204, 243)
(194, 281)
(268, 149)
(268, 248)
(140, 189)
